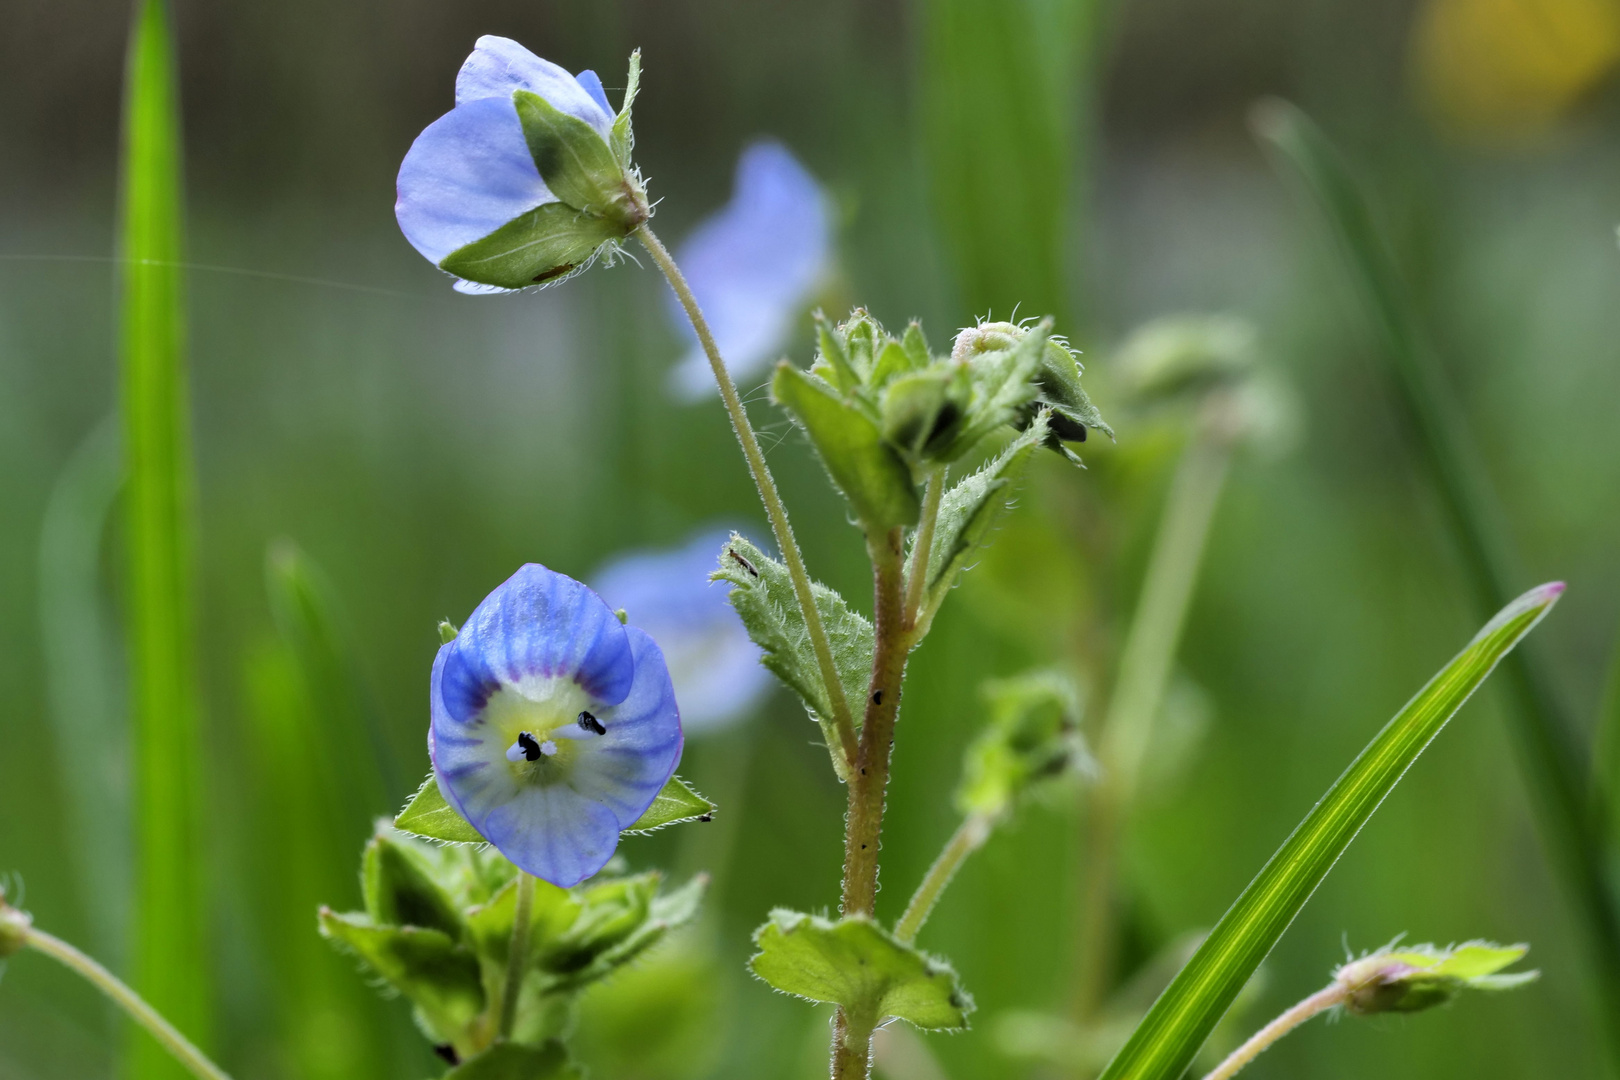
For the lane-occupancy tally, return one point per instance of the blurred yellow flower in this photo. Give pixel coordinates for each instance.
(1507, 70)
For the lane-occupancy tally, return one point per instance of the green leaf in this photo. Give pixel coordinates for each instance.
(574, 161)
(968, 512)
(1164, 1044)
(857, 964)
(623, 137)
(832, 359)
(764, 599)
(429, 815)
(1422, 976)
(867, 470)
(1552, 767)
(678, 802)
(438, 975)
(916, 346)
(401, 888)
(514, 1061)
(541, 247)
(169, 956)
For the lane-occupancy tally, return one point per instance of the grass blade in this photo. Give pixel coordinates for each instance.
(1164, 1044)
(1001, 92)
(79, 643)
(1544, 737)
(170, 962)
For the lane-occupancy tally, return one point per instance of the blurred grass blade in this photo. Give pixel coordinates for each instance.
(1544, 738)
(1166, 1041)
(329, 1024)
(306, 614)
(1001, 97)
(79, 644)
(171, 965)
(1606, 749)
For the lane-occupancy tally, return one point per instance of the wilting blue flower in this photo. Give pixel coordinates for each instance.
(715, 667)
(473, 171)
(753, 265)
(554, 727)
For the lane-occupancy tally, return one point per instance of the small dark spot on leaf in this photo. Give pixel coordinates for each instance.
(555, 271)
(706, 817)
(746, 565)
(447, 1052)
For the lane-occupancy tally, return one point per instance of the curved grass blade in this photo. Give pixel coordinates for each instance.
(171, 962)
(1164, 1044)
(1547, 752)
(83, 667)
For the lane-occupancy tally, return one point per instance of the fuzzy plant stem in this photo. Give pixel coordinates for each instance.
(1324, 999)
(1144, 672)
(923, 545)
(968, 838)
(869, 779)
(128, 1000)
(517, 958)
(774, 509)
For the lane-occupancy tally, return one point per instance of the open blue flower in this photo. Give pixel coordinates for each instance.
(713, 663)
(473, 172)
(753, 265)
(553, 726)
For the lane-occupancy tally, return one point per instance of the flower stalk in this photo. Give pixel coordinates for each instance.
(1329, 997)
(968, 838)
(933, 493)
(517, 959)
(774, 509)
(195, 1061)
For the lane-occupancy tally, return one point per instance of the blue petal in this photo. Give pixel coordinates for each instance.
(538, 623)
(754, 264)
(626, 768)
(498, 66)
(554, 832)
(466, 175)
(715, 668)
(593, 86)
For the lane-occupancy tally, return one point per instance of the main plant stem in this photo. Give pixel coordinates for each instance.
(868, 780)
(1319, 1002)
(128, 1000)
(968, 838)
(518, 956)
(842, 717)
(1144, 672)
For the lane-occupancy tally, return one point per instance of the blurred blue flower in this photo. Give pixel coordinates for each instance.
(470, 172)
(753, 265)
(667, 593)
(553, 727)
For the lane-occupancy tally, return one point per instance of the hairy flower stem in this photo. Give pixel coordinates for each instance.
(921, 547)
(1319, 1002)
(869, 779)
(842, 717)
(1144, 672)
(968, 838)
(517, 958)
(131, 1002)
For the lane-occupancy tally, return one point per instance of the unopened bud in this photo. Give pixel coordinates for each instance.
(1410, 980)
(14, 927)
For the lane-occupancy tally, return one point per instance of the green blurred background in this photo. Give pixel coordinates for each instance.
(1089, 161)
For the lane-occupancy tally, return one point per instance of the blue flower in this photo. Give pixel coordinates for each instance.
(753, 265)
(553, 726)
(714, 665)
(473, 172)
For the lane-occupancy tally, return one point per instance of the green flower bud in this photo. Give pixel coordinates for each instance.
(1182, 354)
(1032, 738)
(1417, 978)
(14, 927)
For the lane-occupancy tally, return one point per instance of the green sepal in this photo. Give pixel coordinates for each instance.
(541, 247)
(401, 888)
(678, 802)
(764, 599)
(1059, 381)
(967, 513)
(1003, 383)
(440, 976)
(832, 359)
(859, 965)
(429, 815)
(577, 165)
(623, 138)
(1422, 976)
(871, 475)
(1032, 737)
(924, 411)
(915, 345)
(514, 1061)
(447, 631)
(892, 362)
